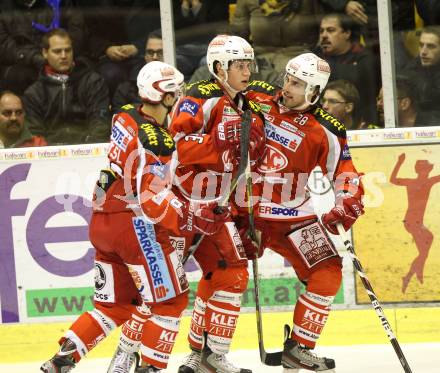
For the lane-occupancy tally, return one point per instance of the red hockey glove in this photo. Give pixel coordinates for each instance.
(204, 218)
(346, 211)
(250, 247)
(226, 135)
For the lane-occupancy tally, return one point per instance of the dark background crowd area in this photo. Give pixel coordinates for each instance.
(108, 41)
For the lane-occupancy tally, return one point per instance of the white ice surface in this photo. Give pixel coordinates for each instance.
(422, 357)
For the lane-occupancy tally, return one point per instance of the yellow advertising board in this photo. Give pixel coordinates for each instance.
(398, 238)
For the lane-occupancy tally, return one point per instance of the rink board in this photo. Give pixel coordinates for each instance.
(47, 259)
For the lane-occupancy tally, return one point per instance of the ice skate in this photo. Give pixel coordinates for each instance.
(62, 361)
(122, 361)
(191, 364)
(296, 356)
(147, 369)
(211, 362)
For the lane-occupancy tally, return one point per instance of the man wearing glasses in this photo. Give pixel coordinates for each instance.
(126, 92)
(341, 99)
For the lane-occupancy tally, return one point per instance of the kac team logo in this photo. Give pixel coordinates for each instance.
(100, 278)
(273, 160)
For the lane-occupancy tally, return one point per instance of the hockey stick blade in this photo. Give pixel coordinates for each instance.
(272, 359)
(267, 358)
(373, 298)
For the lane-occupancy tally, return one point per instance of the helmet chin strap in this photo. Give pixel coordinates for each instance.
(168, 108)
(309, 91)
(224, 83)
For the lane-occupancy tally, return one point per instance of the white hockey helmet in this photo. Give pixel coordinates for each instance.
(311, 69)
(227, 48)
(157, 78)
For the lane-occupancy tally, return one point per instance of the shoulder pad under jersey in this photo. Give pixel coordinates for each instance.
(261, 86)
(153, 138)
(156, 139)
(204, 89)
(329, 122)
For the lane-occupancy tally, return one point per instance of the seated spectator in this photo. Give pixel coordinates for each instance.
(22, 24)
(341, 99)
(117, 31)
(69, 103)
(196, 22)
(349, 60)
(424, 73)
(364, 14)
(406, 106)
(407, 103)
(14, 131)
(380, 118)
(279, 30)
(127, 92)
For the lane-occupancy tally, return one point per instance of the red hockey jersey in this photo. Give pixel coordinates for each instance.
(297, 142)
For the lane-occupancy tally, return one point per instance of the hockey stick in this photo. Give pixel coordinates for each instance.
(246, 122)
(267, 358)
(374, 301)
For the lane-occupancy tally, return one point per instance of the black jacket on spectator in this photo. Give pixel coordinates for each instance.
(69, 111)
(358, 67)
(426, 81)
(20, 41)
(429, 10)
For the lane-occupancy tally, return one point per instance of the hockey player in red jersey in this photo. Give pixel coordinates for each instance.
(299, 137)
(210, 114)
(138, 274)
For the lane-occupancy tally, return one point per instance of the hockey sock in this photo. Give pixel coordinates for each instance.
(195, 336)
(158, 339)
(310, 316)
(87, 331)
(131, 331)
(222, 311)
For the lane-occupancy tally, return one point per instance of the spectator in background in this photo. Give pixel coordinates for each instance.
(193, 12)
(406, 107)
(196, 22)
(69, 103)
(14, 131)
(279, 30)
(424, 73)
(380, 121)
(117, 31)
(406, 103)
(341, 99)
(364, 13)
(22, 24)
(127, 92)
(349, 60)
